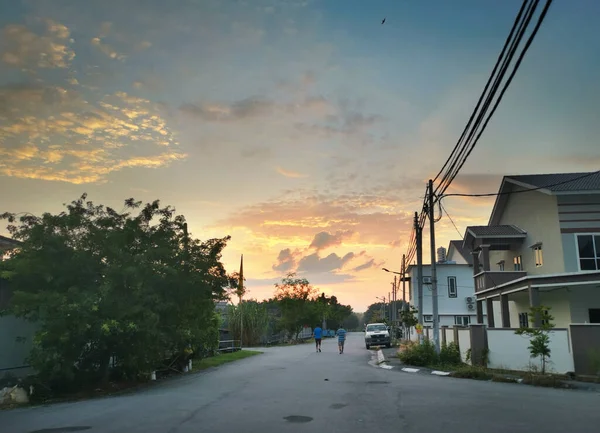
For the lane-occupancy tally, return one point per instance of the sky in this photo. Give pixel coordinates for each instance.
(305, 129)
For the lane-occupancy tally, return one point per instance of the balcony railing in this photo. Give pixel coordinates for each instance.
(490, 279)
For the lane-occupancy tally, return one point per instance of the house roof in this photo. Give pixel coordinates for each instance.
(559, 182)
(551, 184)
(8, 243)
(463, 250)
(489, 231)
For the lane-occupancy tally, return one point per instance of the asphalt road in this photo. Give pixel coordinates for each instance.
(294, 389)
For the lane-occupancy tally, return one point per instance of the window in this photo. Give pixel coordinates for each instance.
(589, 252)
(594, 315)
(462, 320)
(539, 257)
(501, 265)
(518, 262)
(452, 289)
(523, 320)
(427, 318)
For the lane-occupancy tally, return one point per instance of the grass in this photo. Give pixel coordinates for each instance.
(224, 358)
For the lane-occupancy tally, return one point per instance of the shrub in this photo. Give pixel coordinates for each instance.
(471, 372)
(419, 355)
(450, 354)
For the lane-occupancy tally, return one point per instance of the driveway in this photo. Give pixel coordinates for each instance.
(293, 389)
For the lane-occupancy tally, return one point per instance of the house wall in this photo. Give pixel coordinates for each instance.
(455, 256)
(577, 214)
(447, 307)
(583, 298)
(510, 351)
(557, 300)
(537, 214)
(13, 354)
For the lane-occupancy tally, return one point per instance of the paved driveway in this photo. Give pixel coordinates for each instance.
(294, 389)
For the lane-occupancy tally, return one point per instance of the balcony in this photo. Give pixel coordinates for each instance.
(490, 279)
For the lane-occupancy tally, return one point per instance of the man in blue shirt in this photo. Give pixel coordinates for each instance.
(341, 334)
(318, 333)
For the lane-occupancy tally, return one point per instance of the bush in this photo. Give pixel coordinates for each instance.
(450, 355)
(470, 372)
(419, 355)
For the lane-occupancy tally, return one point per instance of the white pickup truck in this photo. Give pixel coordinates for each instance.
(377, 334)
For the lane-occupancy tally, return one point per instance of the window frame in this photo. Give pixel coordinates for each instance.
(538, 254)
(462, 316)
(428, 316)
(455, 294)
(596, 258)
(518, 260)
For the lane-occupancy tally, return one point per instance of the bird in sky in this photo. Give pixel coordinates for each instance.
(383, 21)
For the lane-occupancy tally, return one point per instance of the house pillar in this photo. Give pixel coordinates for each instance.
(479, 305)
(444, 338)
(485, 257)
(476, 264)
(505, 311)
(534, 301)
(489, 305)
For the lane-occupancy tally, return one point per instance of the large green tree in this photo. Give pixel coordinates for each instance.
(128, 289)
(297, 302)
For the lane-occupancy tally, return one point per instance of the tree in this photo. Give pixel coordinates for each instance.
(409, 318)
(298, 305)
(122, 289)
(352, 322)
(539, 345)
(374, 313)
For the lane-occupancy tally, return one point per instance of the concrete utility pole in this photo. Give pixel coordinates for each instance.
(404, 304)
(419, 236)
(434, 289)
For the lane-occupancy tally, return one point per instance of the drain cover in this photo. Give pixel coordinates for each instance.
(338, 405)
(63, 429)
(298, 418)
(377, 382)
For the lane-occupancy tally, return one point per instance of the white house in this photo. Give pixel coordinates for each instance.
(456, 290)
(541, 246)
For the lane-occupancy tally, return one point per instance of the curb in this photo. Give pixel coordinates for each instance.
(380, 362)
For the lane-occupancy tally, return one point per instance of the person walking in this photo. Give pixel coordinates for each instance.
(318, 334)
(341, 334)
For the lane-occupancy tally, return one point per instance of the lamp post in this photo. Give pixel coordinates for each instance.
(382, 306)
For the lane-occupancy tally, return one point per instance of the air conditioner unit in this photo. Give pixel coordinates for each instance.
(426, 280)
(470, 300)
(470, 306)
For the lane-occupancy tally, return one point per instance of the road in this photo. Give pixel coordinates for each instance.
(294, 389)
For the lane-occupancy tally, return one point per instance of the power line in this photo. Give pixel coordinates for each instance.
(498, 61)
(451, 220)
(506, 85)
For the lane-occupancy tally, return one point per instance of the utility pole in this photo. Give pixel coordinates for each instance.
(404, 304)
(419, 236)
(434, 288)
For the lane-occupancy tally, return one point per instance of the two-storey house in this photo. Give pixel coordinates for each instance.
(540, 247)
(456, 291)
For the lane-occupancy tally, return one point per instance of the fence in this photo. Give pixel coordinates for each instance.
(576, 349)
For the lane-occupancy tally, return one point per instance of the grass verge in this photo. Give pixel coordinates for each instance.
(224, 358)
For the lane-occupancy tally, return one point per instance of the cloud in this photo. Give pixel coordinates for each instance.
(367, 265)
(323, 240)
(53, 133)
(288, 173)
(286, 260)
(107, 49)
(23, 48)
(314, 264)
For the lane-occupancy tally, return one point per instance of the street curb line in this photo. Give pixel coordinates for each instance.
(440, 373)
(410, 370)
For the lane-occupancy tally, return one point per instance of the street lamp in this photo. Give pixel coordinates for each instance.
(382, 306)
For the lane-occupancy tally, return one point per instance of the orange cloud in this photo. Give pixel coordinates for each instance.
(23, 48)
(289, 173)
(52, 133)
